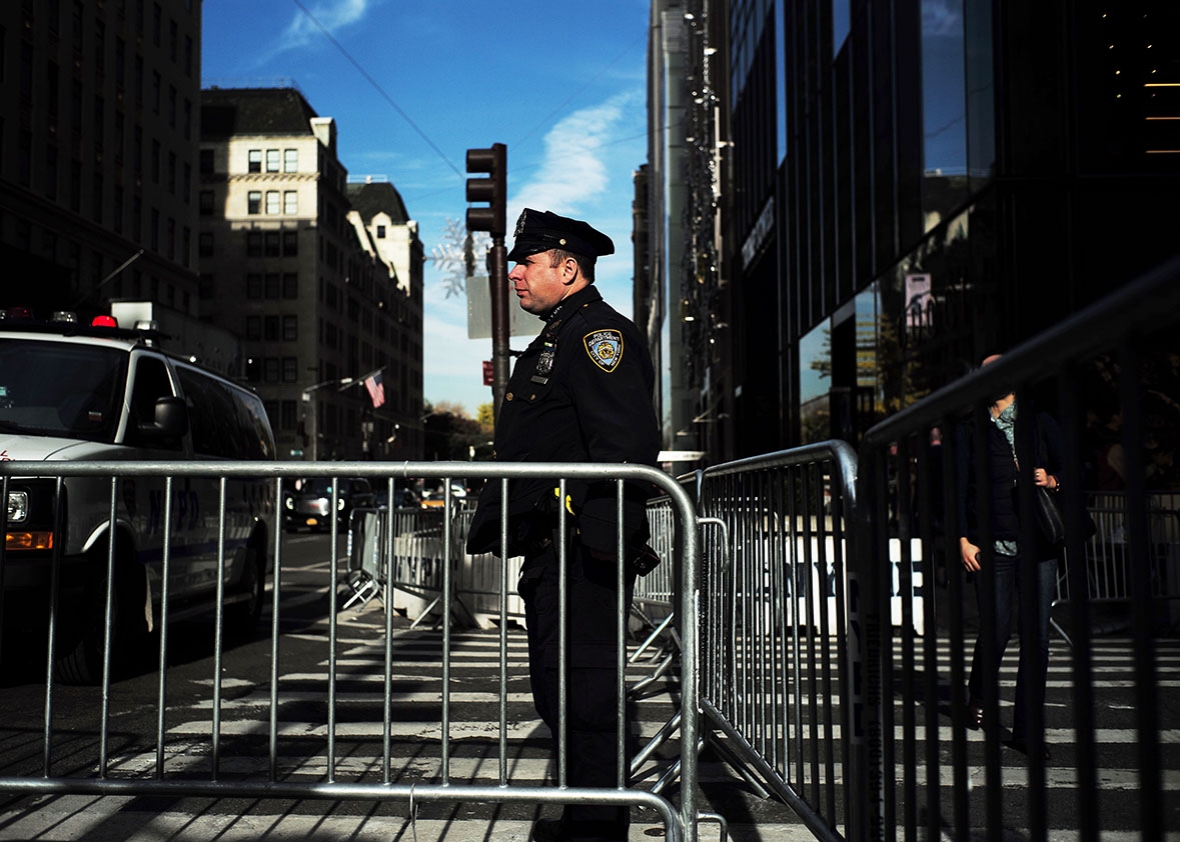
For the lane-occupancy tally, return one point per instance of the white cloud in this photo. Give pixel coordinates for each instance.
(940, 17)
(574, 172)
(333, 15)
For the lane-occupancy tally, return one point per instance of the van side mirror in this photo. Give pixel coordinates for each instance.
(171, 419)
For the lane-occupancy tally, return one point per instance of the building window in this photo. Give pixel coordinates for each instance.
(272, 243)
(290, 202)
(270, 328)
(172, 173)
(290, 285)
(272, 201)
(254, 285)
(254, 160)
(205, 244)
(254, 244)
(272, 160)
(155, 161)
(254, 201)
(290, 369)
(290, 328)
(205, 202)
(156, 82)
(270, 369)
(272, 287)
(290, 160)
(380, 232)
(289, 415)
(290, 243)
(253, 328)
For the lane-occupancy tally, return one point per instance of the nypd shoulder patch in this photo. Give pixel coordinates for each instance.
(605, 348)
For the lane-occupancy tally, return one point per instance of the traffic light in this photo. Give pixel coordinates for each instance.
(493, 161)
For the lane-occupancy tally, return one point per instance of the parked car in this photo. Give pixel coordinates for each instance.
(101, 393)
(403, 498)
(433, 493)
(311, 504)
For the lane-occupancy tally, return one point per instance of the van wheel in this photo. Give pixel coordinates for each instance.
(241, 618)
(79, 659)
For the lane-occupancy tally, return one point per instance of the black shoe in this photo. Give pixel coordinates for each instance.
(555, 830)
(547, 830)
(1022, 747)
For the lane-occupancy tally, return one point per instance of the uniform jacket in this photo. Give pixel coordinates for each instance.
(581, 392)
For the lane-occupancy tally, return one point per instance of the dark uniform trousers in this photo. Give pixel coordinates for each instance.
(591, 695)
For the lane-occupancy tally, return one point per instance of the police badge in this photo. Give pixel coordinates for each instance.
(605, 347)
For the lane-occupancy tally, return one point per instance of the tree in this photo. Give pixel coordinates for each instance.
(451, 434)
(487, 417)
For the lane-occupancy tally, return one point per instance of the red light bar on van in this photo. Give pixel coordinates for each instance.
(104, 321)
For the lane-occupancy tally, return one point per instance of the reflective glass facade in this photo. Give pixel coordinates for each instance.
(956, 175)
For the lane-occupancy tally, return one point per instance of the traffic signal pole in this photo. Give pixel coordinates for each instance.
(498, 281)
(492, 190)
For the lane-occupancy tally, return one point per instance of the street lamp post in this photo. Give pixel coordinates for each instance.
(310, 414)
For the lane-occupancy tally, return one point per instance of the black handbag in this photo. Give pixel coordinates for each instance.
(1050, 521)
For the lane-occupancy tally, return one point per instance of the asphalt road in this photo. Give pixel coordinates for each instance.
(304, 743)
(350, 750)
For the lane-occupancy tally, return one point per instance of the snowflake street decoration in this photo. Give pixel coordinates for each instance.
(459, 256)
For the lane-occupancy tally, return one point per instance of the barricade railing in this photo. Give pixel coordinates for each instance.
(774, 624)
(1107, 570)
(913, 786)
(176, 777)
(411, 573)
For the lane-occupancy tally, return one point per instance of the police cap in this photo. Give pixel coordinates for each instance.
(538, 231)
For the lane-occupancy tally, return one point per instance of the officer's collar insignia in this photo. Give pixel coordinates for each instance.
(605, 347)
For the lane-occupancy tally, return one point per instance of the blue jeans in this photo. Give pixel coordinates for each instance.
(1034, 639)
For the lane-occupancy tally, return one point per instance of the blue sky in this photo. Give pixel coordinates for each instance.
(561, 83)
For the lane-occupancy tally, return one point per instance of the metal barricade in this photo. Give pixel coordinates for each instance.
(925, 773)
(774, 623)
(204, 773)
(1107, 570)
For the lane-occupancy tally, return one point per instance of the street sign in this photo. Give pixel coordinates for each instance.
(479, 312)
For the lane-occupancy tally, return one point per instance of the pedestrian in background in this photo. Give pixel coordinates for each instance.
(581, 392)
(998, 439)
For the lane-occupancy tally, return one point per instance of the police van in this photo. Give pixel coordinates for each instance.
(105, 393)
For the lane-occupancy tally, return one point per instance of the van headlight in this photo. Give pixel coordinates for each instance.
(18, 506)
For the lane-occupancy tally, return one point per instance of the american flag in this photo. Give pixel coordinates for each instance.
(376, 388)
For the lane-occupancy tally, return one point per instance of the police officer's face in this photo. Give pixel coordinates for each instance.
(540, 286)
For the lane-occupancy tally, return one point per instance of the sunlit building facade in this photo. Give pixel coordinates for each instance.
(322, 293)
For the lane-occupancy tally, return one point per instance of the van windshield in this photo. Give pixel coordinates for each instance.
(61, 389)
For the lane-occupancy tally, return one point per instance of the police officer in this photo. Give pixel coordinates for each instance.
(581, 392)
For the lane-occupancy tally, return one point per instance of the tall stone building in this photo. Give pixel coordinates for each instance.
(322, 294)
(98, 148)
